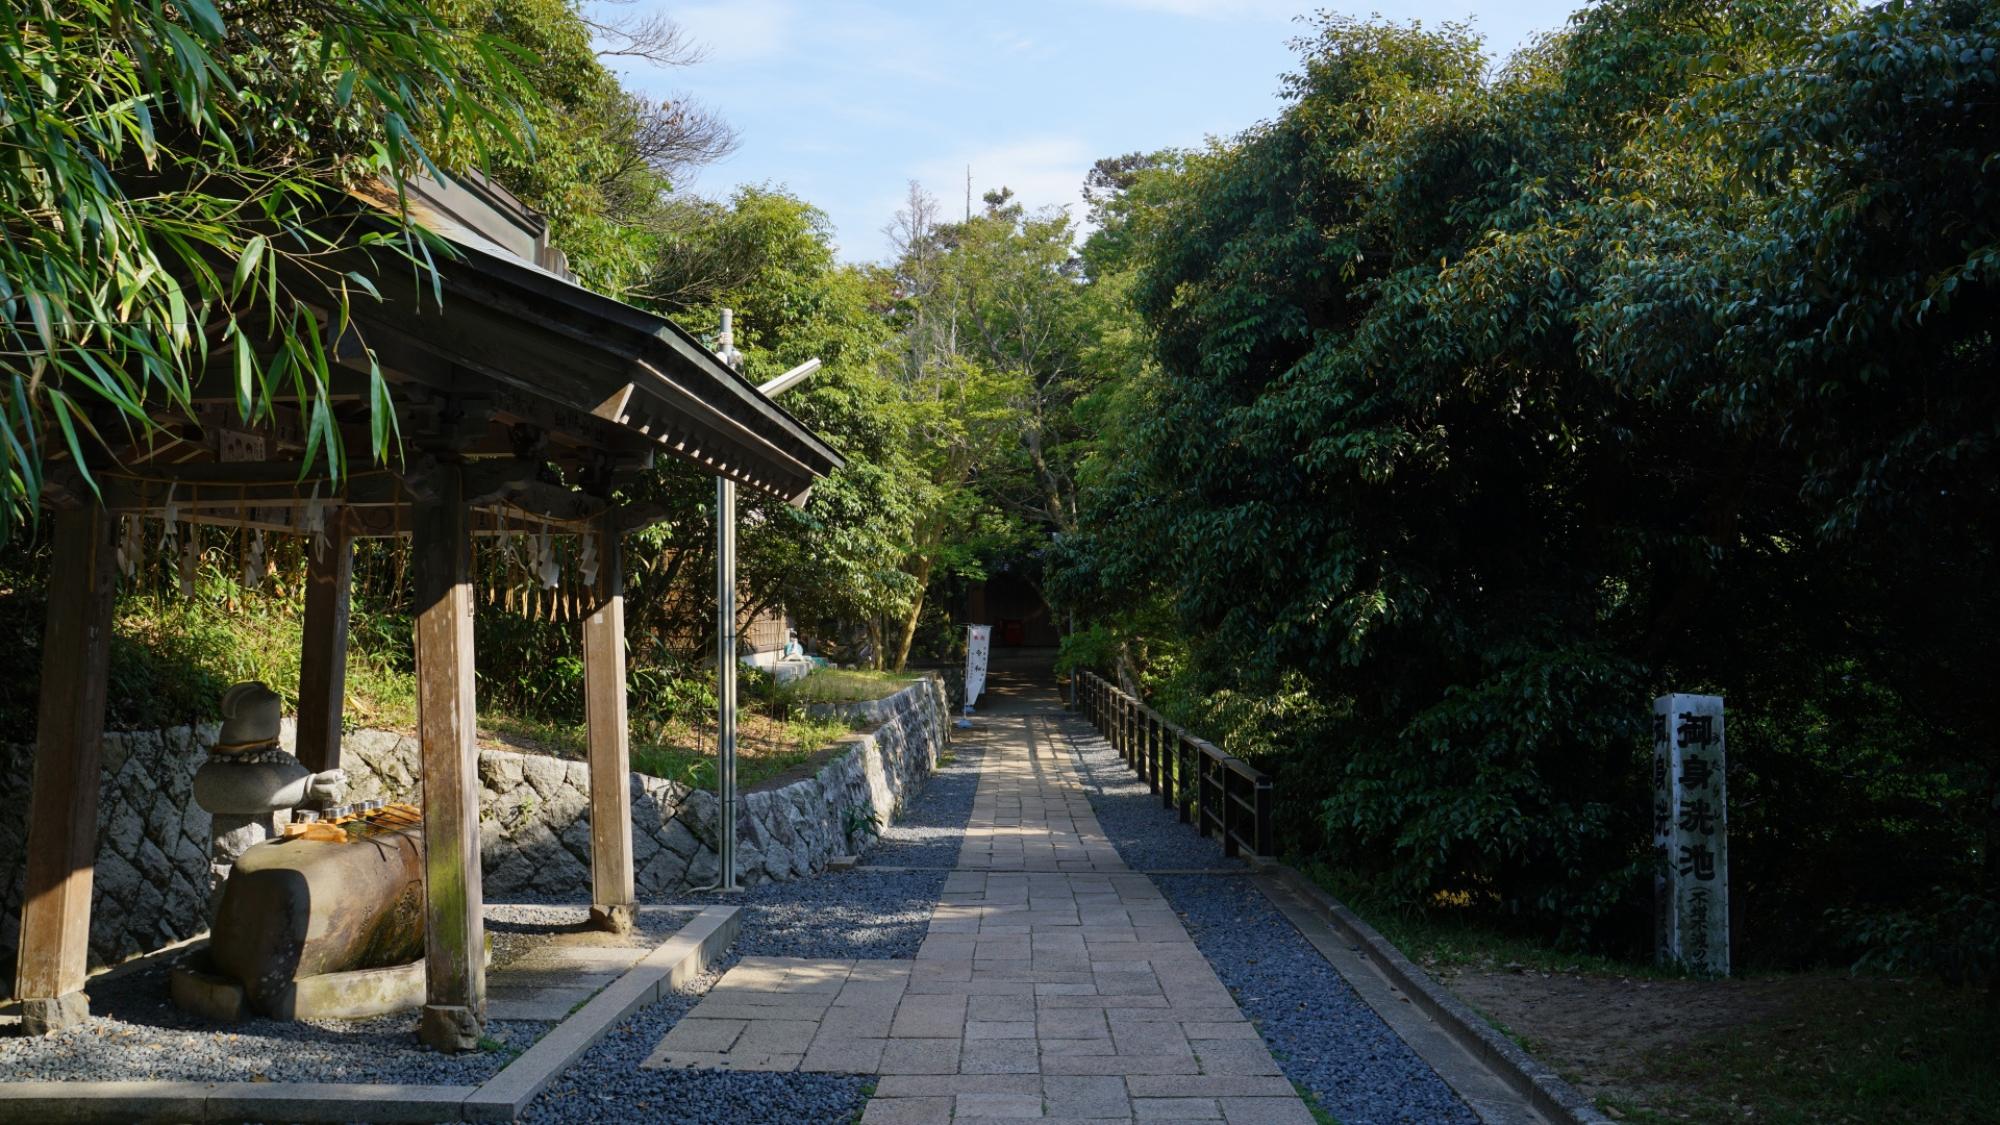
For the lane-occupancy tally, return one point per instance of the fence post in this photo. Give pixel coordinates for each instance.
(1229, 847)
(1202, 764)
(1184, 796)
(1169, 739)
(1151, 728)
(1143, 745)
(1262, 798)
(1153, 748)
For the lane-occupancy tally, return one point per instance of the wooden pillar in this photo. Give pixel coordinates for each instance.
(454, 931)
(62, 809)
(323, 661)
(610, 753)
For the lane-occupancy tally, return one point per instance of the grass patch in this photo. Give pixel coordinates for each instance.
(765, 747)
(172, 657)
(846, 685)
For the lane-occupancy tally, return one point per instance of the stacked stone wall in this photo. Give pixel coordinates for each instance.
(151, 884)
(151, 881)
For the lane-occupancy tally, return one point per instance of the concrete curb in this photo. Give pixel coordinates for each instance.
(673, 963)
(1540, 1087)
(502, 1098)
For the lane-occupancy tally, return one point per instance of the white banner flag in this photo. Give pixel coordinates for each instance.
(977, 638)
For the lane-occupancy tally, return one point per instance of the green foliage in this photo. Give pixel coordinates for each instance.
(173, 655)
(1488, 405)
(860, 824)
(768, 256)
(170, 197)
(845, 685)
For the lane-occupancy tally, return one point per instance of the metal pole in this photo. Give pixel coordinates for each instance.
(725, 678)
(725, 643)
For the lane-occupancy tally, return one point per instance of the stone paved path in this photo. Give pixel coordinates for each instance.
(1054, 983)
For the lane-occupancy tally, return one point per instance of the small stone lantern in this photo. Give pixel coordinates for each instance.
(248, 779)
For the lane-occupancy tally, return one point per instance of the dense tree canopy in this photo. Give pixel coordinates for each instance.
(1490, 404)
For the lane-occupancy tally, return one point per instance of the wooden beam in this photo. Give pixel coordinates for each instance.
(62, 810)
(612, 409)
(635, 517)
(498, 339)
(611, 882)
(454, 932)
(323, 661)
(550, 501)
(236, 485)
(393, 523)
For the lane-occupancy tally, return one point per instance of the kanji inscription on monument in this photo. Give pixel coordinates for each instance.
(1690, 833)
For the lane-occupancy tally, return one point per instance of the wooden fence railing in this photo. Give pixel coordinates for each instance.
(1220, 795)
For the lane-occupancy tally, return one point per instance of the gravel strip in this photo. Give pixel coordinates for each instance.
(1326, 1039)
(931, 828)
(135, 1031)
(858, 914)
(1150, 838)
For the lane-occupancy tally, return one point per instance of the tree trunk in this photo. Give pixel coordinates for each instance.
(908, 631)
(1059, 513)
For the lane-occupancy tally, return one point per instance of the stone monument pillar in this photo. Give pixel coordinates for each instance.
(1690, 834)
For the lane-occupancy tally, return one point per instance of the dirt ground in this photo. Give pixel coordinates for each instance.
(1819, 1048)
(1600, 1031)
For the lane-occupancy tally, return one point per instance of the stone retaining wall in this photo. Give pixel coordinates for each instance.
(152, 863)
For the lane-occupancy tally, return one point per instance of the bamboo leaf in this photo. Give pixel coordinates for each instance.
(246, 262)
(246, 371)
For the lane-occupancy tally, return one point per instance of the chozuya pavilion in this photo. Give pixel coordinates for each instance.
(523, 402)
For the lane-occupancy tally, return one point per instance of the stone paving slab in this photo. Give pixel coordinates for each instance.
(1054, 984)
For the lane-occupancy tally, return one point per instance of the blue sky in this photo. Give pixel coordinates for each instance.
(844, 102)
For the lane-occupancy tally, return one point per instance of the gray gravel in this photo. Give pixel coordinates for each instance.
(1147, 836)
(932, 827)
(859, 913)
(135, 1031)
(1327, 1040)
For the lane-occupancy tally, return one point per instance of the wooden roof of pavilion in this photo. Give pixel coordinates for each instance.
(548, 393)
